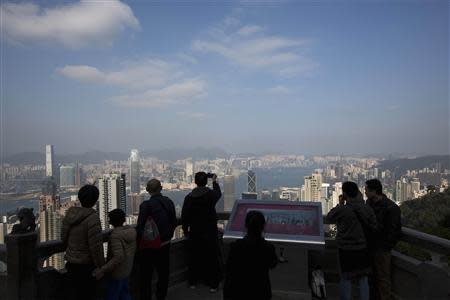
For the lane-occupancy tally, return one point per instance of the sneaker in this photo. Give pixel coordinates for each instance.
(211, 290)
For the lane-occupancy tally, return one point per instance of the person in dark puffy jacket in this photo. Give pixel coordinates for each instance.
(162, 210)
(121, 250)
(81, 234)
(249, 262)
(350, 215)
(199, 220)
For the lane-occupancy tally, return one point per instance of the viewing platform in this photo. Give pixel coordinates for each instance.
(26, 279)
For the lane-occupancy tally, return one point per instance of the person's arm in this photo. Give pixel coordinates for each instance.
(216, 189)
(95, 241)
(65, 233)
(118, 256)
(142, 217)
(335, 214)
(393, 225)
(186, 215)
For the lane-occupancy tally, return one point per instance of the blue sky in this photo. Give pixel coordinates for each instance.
(293, 77)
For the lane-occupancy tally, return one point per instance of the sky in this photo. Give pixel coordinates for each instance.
(313, 77)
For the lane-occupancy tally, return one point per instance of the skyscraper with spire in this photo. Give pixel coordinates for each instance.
(135, 180)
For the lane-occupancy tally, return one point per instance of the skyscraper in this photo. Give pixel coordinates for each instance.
(251, 180)
(313, 187)
(228, 193)
(189, 171)
(135, 202)
(79, 178)
(135, 183)
(50, 220)
(51, 169)
(67, 176)
(112, 195)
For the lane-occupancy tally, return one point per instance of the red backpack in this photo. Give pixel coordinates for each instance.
(150, 236)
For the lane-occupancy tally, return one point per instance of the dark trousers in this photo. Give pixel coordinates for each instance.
(151, 259)
(117, 289)
(204, 261)
(80, 282)
(380, 283)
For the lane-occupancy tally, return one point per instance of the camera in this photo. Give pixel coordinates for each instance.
(210, 175)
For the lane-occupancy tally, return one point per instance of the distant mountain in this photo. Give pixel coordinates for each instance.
(38, 158)
(179, 153)
(402, 165)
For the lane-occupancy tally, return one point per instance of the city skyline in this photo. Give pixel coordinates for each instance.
(270, 77)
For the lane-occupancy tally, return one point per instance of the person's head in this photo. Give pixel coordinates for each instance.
(27, 218)
(154, 186)
(373, 189)
(201, 179)
(88, 195)
(116, 217)
(350, 190)
(255, 222)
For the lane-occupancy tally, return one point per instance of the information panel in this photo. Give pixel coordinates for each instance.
(286, 221)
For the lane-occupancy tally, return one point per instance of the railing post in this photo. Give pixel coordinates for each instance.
(22, 266)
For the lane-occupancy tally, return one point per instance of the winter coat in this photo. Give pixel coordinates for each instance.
(350, 233)
(247, 270)
(121, 249)
(389, 223)
(162, 210)
(365, 216)
(198, 216)
(82, 235)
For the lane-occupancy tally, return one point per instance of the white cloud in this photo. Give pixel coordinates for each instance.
(77, 25)
(250, 46)
(184, 92)
(146, 83)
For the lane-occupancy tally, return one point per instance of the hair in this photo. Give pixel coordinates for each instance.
(255, 222)
(88, 195)
(154, 186)
(116, 217)
(350, 189)
(375, 185)
(201, 179)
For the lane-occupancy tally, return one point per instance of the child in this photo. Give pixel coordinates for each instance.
(82, 236)
(121, 249)
(249, 262)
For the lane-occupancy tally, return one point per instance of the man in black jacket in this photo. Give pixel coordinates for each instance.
(384, 239)
(162, 211)
(199, 220)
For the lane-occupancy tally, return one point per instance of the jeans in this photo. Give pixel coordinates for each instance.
(346, 288)
(151, 259)
(81, 283)
(381, 279)
(117, 289)
(204, 261)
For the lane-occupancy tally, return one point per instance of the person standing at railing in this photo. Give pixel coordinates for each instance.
(82, 236)
(155, 226)
(27, 221)
(199, 219)
(353, 255)
(249, 262)
(383, 241)
(121, 250)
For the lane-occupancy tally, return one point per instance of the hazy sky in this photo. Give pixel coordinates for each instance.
(300, 76)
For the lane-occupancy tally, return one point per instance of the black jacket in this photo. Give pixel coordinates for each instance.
(247, 270)
(162, 210)
(198, 216)
(389, 223)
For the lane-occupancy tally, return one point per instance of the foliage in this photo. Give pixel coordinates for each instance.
(412, 251)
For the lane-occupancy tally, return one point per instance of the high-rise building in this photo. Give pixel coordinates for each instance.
(51, 169)
(50, 220)
(67, 176)
(337, 190)
(415, 185)
(189, 172)
(249, 196)
(79, 176)
(135, 183)
(251, 180)
(112, 189)
(228, 193)
(135, 202)
(275, 194)
(403, 191)
(3, 231)
(313, 187)
(266, 195)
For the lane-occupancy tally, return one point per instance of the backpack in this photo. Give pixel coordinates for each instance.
(318, 284)
(150, 236)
